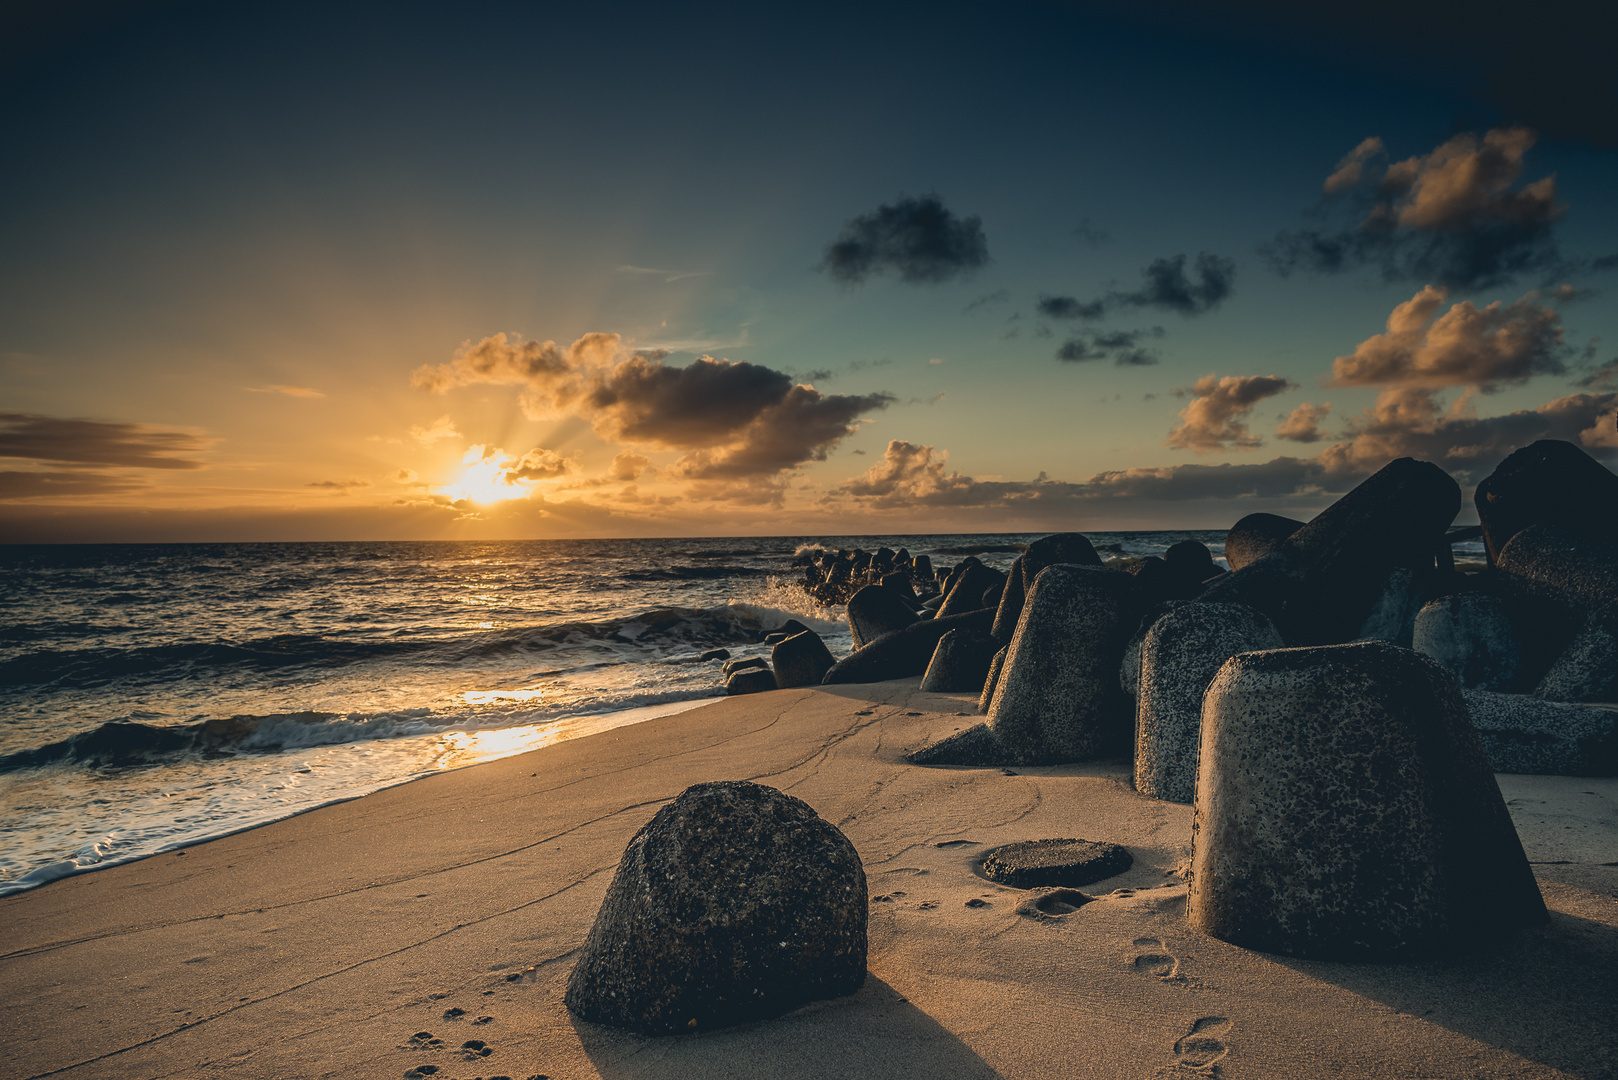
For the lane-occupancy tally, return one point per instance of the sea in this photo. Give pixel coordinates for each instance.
(156, 695)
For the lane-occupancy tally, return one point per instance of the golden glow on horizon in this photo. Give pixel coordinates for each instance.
(484, 479)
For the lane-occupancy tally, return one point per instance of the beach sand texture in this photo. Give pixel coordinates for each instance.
(452, 908)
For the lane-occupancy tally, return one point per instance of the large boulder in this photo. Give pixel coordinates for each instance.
(736, 902)
(1549, 482)
(1180, 655)
(1523, 734)
(1320, 583)
(966, 594)
(960, 662)
(1567, 574)
(1345, 810)
(801, 660)
(1587, 670)
(1058, 697)
(876, 610)
(753, 680)
(1072, 549)
(1392, 617)
(1255, 536)
(903, 653)
(1010, 607)
(992, 679)
(1471, 636)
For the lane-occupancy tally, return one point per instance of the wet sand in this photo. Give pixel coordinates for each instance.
(432, 927)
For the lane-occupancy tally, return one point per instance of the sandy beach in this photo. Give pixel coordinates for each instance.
(380, 936)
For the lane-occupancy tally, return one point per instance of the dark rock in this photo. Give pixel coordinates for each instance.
(1471, 636)
(975, 745)
(899, 583)
(1129, 668)
(967, 592)
(1157, 582)
(1058, 548)
(960, 662)
(932, 604)
(1191, 560)
(1392, 617)
(1034, 864)
(715, 654)
(1255, 536)
(903, 653)
(750, 681)
(731, 667)
(775, 638)
(1523, 734)
(735, 903)
(991, 595)
(1321, 582)
(1179, 657)
(1587, 670)
(875, 611)
(1345, 809)
(1568, 574)
(992, 679)
(801, 660)
(922, 567)
(1010, 606)
(1058, 696)
(1549, 482)
(790, 627)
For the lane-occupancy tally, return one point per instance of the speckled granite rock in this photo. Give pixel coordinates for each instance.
(959, 663)
(1345, 809)
(1129, 667)
(975, 745)
(1570, 574)
(736, 902)
(1471, 636)
(1072, 549)
(1009, 609)
(903, 653)
(801, 660)
(1255, 536)
(1523, 734)
(966, 594)
(1181, 654)
(1058, 696)
(1587, 670)
(1033, 864)
(876, 610)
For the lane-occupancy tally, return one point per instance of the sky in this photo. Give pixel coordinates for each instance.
(351, 271)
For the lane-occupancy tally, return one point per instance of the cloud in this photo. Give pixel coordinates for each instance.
(1167, 285)
(16, 484)
(919, 239)
(627, 466)
(340, 486)
(289, 391)
(733, 418)
(1216, 417)
(1087, 231)
(442, 428)
(1303, 425)
(1452, 216)
(96, 442)
(406, 476)
(914, 475)
(1069, 307)
(1601, 378)
(1122, 347)
(539, 464)
(667, 275)
(1465, 346)
(999, 296)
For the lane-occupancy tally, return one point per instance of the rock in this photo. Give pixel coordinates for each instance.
(967, 592)
(1058, 697)
(775, 638)
(1255, 536)
(903, 653)
(1392, 617)
(1587, 670)
(991, 595)
(874, 611)
(1345, 810)
(996, 666)
(735, 903)
(899, 582)
(922, 567)
(933, 603)
(1320, 583)
(750, 681)
(1180, 655)
(714, 654)
(1549, 482)
(731, 667)
(801, 660)
(1034, 864)
(960, 662)
(1569, 575)
(1058, 548)
(1471, 636)
(790, 627)
(1191, 561)
(1129, 668)
(1157, 582)
(975, 745)
(1010, 605)
(1523, 734)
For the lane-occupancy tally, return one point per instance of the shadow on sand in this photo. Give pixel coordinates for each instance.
(875, 1032)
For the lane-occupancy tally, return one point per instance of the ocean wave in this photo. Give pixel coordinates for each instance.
(695, 573)
(96, 666)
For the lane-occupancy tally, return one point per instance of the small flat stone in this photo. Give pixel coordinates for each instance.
(1034, 864)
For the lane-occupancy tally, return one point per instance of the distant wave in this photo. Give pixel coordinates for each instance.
(695, 573)
(95, 666)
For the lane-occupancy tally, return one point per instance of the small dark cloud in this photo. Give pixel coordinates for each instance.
(919, 239)
(1604, 377)
(1069, 307)
(819, 375)
(1087, 231)
(539, 464)
(1123, 347)
(1167, 285)
(95, 442)
(999, 296)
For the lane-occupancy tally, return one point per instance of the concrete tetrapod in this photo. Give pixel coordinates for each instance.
(1345, 810)
(1181, 654)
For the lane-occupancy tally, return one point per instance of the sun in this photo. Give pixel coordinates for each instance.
(484, 479)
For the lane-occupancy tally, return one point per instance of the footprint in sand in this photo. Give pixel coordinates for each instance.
(1204, 1045)
(1050, 904)
(956, 843)
(1155, 960)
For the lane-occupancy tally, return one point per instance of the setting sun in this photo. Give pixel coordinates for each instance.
(484, 480)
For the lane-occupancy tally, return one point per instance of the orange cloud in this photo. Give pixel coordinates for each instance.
(1216, 417)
